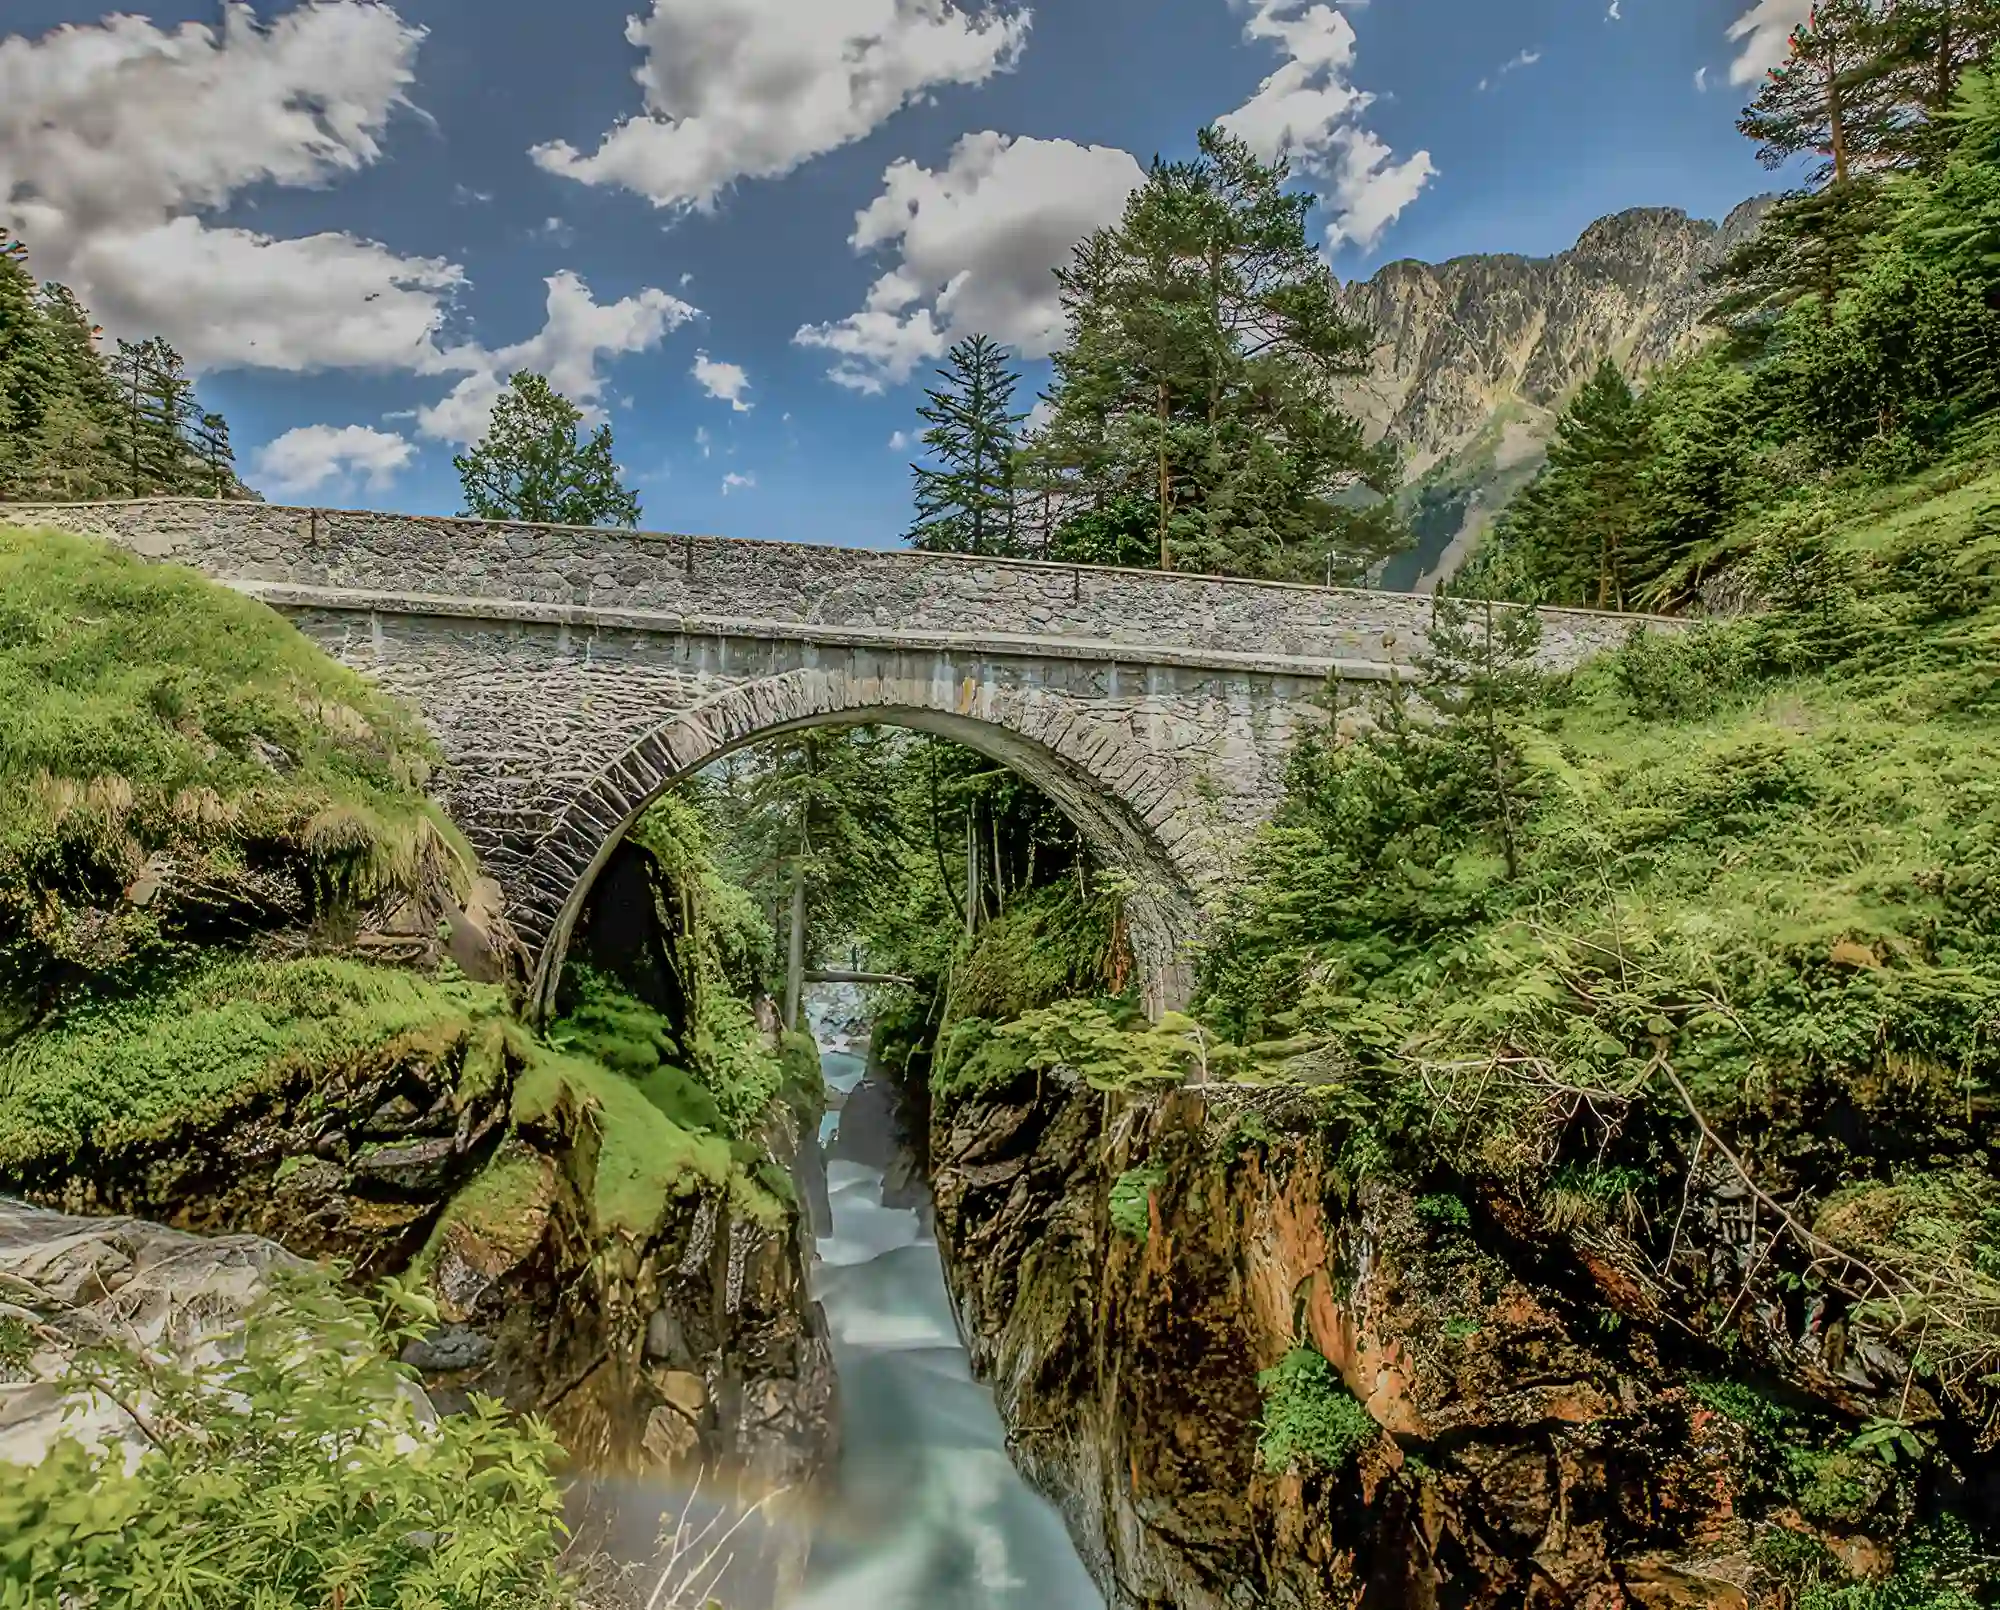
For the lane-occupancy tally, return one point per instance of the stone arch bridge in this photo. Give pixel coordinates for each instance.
(572, 675)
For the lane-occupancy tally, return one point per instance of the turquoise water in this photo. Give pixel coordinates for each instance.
(926, 1510)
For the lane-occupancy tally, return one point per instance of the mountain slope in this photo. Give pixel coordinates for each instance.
(1477, 355)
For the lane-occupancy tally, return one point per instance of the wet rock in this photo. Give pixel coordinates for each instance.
(74, 1283)
(413, 1166)
(1520, 1454)
(670, 1436)
(451, 1348)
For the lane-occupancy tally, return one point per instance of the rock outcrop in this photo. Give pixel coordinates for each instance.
(68, 1284)
(691, 1343)
(1525, 1441)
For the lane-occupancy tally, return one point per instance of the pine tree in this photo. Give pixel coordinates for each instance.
(1830, 98)
(1927, 48)
(1205, 344)
(212, 443)
(969, 506)
(1599, 448)
(530, 465)
(1479, 670)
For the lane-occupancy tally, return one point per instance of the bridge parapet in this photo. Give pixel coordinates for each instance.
(738, 581)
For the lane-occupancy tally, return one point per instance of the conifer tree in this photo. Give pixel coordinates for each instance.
(531, 466)
(969, 505)
(1205, 344)
(212, 444)
(1830, 98)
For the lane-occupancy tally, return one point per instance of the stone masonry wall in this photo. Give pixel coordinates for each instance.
(719, 580)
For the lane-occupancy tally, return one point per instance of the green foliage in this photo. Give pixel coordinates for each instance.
(1050, 945)
(176, 1058)
(1938, 1567)
(147, 712)
(968, 506)
(17, 1342)
(530, 465)
(1132, 1201)
(643, 1158)
(1444, 1212)
(1311, 1423)
(296, 1473)
(1106, 1048)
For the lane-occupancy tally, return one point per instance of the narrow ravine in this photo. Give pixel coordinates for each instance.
(925, 1510)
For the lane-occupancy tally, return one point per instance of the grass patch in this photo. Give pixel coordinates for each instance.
(145, 709)
(1311, 1423)
(119, 1071)
(643, 1159)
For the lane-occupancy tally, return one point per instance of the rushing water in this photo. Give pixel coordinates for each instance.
(926, 1511)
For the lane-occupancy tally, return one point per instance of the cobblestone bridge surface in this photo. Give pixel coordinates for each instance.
(571, 675)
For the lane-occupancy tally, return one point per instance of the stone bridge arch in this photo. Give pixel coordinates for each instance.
(572, 674)
(1132, 809)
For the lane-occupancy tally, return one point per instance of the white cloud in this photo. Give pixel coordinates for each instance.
(1701, 81)
(732, 482)
(703, 440)
(1614, 14)
(577, 333)
(307, 457)
(977, 244)
(751, 89)
(116, 137)
(1308, 110)
(1763, 36)
(725, 382)
(899, 441)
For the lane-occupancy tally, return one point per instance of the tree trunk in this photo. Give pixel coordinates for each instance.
(972, 858)
(1836, 123)
(795, 950)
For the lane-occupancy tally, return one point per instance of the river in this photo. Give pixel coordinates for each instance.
(925, 1511)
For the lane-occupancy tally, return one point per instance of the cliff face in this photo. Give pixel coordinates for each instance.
(1135, 1273)
(1477, 355)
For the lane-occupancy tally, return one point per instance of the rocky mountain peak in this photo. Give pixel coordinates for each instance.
(1476, 356)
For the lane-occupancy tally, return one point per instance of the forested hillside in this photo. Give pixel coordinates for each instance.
(77, 422)
(1862, 331)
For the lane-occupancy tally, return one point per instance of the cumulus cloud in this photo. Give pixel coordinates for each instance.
(1763, 37)
(725, 382)
(732, 482)
(751, 89)
(977, 243)
(1309, 110)
(306, 458)
(899, 441)
(117, 137)
(577, 334)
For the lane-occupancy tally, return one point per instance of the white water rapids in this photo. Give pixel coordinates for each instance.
(926, 1511)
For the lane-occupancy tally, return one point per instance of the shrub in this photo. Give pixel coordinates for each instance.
(296, 1474)
(1132, 1201)
(1311, 1421)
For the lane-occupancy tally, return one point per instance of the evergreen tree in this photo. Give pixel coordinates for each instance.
(1831, 98)
(530, 465)
(969, 506)
(1927, 48)
(1205, 343)
(1479, 670)
(212, 444)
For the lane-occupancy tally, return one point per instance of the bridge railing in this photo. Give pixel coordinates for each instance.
(801, 584)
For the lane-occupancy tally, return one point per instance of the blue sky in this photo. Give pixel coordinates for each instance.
(350, 215)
